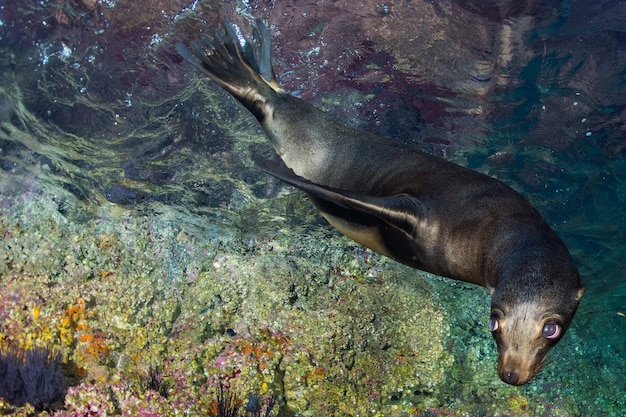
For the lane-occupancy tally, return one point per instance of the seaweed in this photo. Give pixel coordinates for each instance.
(227, 405)
(154, 380)
(31, 376)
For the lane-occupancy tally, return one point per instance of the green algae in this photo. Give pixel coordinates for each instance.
(328, 327)
(132, 308)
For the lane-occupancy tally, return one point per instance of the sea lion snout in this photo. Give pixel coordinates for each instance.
(515, 330)
(518, 364)
(517, 373)
(522, 356)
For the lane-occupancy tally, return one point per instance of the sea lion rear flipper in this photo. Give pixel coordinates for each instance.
(245, 71)
(401, 211)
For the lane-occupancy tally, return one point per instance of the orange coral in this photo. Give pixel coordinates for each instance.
(97, 345)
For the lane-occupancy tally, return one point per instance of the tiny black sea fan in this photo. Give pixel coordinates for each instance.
(31, 376)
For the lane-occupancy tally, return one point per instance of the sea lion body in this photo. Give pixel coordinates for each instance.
(453, 230)
(413, 207)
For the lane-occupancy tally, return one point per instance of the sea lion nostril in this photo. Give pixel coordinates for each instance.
(510, 378)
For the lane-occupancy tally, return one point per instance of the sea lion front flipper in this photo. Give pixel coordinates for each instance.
(401, 211)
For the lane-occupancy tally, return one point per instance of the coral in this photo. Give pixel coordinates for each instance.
(31, 376)
(319, 337)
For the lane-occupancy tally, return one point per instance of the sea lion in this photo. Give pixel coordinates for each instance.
(413, 207)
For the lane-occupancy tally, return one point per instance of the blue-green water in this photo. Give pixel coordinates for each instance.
(98, 113)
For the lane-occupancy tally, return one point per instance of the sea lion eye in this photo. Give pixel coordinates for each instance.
(551, 331)
(493, 324)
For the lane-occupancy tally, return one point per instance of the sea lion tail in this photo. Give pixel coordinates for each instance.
(244, 71)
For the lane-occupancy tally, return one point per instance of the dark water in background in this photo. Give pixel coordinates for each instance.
(96, 101)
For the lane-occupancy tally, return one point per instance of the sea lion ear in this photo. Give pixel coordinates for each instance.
(580, 293)
(490, 288)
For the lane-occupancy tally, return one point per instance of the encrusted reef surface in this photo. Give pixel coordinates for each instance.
(324, 326)
(154, 313)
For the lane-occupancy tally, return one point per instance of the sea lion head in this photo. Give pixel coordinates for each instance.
(529, 315)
